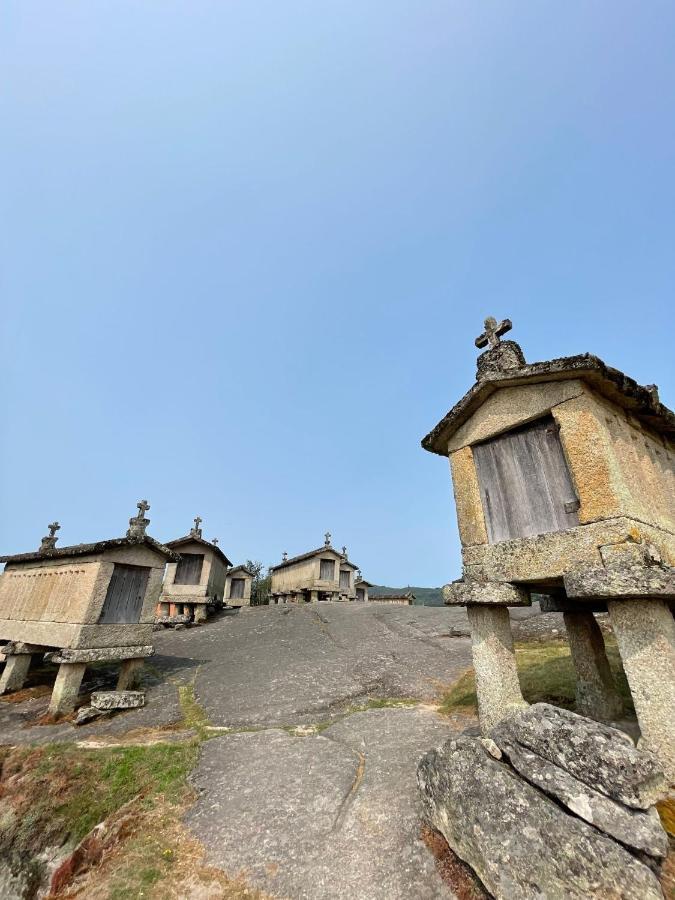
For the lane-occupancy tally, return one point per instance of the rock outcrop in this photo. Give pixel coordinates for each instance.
(530, 828)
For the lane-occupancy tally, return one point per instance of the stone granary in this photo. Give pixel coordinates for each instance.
(85, 603)
(406, 599)
(362, 588)
(322, 574)
(196, 581)
(564, 484)
(238, 584)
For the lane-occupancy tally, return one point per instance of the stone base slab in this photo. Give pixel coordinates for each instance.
(99, 654)
(117, 699)
(485, 593)
(620, 582)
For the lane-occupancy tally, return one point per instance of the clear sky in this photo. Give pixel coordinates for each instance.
(246, 248)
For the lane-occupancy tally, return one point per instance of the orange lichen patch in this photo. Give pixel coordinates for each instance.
(31, 693)
(666, 810)
(455, 873)
(586, 446)
(467, 498)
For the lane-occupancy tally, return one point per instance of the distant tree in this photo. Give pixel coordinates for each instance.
(262, 583)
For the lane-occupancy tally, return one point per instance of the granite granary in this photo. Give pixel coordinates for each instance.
(564, 481)
(79, 605)
(319, 575)
(195, 582)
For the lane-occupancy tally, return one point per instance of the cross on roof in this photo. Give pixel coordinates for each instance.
(214, 541)
(143, 507)
(493, 332)
(198, 522)
(53, 528)
(327, 536)
(344, 551)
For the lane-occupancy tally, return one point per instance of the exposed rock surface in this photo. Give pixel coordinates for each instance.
(117, 699)
(519, 842)
(599, 756)
(635, 828)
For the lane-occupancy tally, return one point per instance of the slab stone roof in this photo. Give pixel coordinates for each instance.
(196, 539)
(318, 552)
(85, 549)
(641, 401)
(240, 569)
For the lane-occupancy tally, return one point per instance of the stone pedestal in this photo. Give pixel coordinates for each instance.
(15, 672)
(66, 688)
(596, 693)
(645, 633)
(130, 674)
(494, 662)
(314, 597)
(164, 609)
(199, 613)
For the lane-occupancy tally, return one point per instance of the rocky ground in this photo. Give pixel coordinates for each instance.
(316, 718)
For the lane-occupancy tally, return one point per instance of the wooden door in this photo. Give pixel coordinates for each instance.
(189, 568)
(237, 589)
(525, 485)
(124, 600)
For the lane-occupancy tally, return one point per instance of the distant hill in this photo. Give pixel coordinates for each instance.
(423, 596)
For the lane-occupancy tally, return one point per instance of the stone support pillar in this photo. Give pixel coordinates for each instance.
(199, 613)
(313, 596)
(164, 609)
(172, 609)
(300, 597)
(130, 674)
(15, 672)
(66, 688)
(645, 633)
(494, 662)
(597, 696)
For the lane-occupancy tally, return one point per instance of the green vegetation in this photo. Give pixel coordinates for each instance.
(194, 715)
(423, 596)
(546, 675)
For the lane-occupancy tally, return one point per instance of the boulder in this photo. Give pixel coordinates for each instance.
(601, 757)
(86, 714)
(520, 843)
(635, 828)
(117, 699)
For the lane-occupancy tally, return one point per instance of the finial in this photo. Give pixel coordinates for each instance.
(49, 542)
(358, 575)
(196, 531)
(327, 537)
(344, 552)
(214, 541)
(493, 332)
(139, 523)
(284, 556)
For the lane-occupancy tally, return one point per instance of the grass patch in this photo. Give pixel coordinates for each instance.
(194, 714)
(63, 791)
(546, 675)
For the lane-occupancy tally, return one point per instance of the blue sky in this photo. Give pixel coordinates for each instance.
(246, 247)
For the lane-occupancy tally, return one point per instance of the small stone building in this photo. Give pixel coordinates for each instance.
(196, 581)
(238, 584)
(362, 586)
(406, 599)
(564, 481)
(320, 575)
(84, 603)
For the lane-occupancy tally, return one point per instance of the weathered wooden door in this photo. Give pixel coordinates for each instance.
(237, 589)
(124, 600)
(525, 485)
(189, 568)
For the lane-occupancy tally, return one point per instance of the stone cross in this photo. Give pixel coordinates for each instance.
(344, 552)
(138, 523)
(284, 556)
(196, 531)
(49, 541)
(198, 522)
(214, 541)
(327, 541)
(493, 332)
